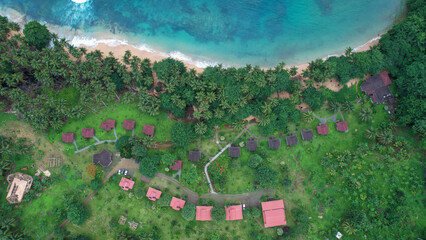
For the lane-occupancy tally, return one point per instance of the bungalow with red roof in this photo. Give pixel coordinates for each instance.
(273, 213)
(322, 129)
(128, 124)
(342, 126)
(203, 213)
(176, 165)
(67, 137)
(234, 213)
(177, 204)
(148, 130)
(87, 132)
(108, 124)
(126, 184)
(153, 194)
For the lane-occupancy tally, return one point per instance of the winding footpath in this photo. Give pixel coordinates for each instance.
(97, 143)
(208, 164)
(221, 151)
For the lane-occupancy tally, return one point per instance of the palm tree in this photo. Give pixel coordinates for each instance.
(333, 106)
(308, 116)
(385, 137)
(264, 120)
(366, 114)
(370, 133)
(238, 125)
(197, 114)
(348, 106)
(293, 71)
(147, 141)
(200, 128)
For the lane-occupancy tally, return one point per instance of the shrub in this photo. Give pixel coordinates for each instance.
(254, 161)
(188, 211)
(165, 200)
(252, 212)
(123, 145)
(266, 177)
(95, 184)
(77, 213)
(37, 35)
(139, 193)
(190, 176)
(168, 159)
(218, 214)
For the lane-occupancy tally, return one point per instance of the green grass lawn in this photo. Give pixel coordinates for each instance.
(112, 202)
(118, 113)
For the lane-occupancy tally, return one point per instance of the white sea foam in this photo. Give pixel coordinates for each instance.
(79, 1)
(90, 42)
(370, 41)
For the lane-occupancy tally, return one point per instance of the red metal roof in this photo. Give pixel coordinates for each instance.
(204, 213)
(128, 124)
(342, 126)
(234, 213)
(273, 213)
(322, 129)
(177, 204)
(176, 165)
(126, 184)
(88, 132)
(148, 130)
(108, 124)
(67, 137)
(153, 194)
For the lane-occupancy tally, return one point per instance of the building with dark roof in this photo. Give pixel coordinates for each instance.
(342, 126)
(307, 135)
(103, 158)
(128, 124)
(194, 156)
(322, 129)
(87, 132)
(148, 130)
(234, 152)
(67, 137)
(251, 145)
(108, 124)
(176, 165)
(274, 143)
(377, 87)
(291, 140)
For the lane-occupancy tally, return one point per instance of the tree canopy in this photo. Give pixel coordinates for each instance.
(37, 35)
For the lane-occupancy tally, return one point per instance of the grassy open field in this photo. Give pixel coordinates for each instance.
(303, 181)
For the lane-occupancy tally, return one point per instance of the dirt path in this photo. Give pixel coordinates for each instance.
(251, 199)
(162, 145)
(128, 164)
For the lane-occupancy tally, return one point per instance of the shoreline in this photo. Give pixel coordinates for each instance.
(118, 46)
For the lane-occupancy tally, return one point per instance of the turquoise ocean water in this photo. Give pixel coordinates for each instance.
(233, 32)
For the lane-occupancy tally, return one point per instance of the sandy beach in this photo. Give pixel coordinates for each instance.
(119, 50)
